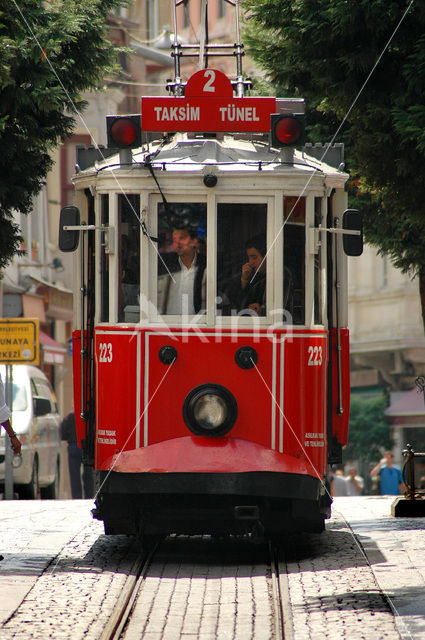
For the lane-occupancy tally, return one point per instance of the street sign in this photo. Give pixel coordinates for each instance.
(19, 341)
(208, 106)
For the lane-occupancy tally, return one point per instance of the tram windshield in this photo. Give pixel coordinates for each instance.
(241, 259)
(182, 260)
(243, 263)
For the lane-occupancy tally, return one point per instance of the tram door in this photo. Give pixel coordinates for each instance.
(87, 288)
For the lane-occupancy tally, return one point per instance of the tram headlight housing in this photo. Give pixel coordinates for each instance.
(210, 410)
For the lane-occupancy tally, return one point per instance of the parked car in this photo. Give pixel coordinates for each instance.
(36, 420)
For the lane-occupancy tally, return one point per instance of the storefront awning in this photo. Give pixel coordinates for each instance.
(410, 403)
(58, 300)
(53, 352)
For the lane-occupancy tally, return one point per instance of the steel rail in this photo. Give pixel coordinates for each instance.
(284, 628)
(122, 610)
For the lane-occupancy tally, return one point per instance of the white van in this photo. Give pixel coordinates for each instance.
(36, 421)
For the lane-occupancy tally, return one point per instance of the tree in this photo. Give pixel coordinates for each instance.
(369, 433)
(49, 53)
(361, 65)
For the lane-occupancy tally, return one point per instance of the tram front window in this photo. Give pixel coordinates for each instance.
(182, 258)
(241, 259)
(129, 214)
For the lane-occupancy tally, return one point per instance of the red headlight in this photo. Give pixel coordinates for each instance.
(287, 130)
(123, 132)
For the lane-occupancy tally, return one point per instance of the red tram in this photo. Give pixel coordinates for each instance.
(211, 353)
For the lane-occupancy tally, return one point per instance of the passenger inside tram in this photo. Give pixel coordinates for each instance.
(182, 273)
(241, 259)
(182, 260)
(246, 292)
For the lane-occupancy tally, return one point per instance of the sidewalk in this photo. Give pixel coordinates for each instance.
(394, 548)
(33, 532)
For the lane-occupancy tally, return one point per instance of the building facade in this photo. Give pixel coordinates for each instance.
(388, 343)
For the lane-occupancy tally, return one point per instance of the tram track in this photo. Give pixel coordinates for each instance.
(228, 597)
(122, 611)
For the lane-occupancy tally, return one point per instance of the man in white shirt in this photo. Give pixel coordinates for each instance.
(354, 482)
(184, 289)
(5, 421)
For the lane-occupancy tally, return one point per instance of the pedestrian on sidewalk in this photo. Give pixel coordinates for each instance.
(355, 483)
(5, 415)
(390, 476)
(338, 484)
(75, 461)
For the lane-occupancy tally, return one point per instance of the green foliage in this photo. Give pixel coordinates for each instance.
(49, 53)
(369, 433)
(325, 51)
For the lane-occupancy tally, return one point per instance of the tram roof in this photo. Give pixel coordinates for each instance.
(229, 153)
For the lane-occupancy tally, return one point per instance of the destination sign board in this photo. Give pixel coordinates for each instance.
(208, 106)
(19, 341)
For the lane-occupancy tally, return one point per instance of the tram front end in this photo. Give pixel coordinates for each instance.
(211, 371)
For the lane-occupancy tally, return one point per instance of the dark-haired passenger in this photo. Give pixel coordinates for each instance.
(181, 276)
(246, 293)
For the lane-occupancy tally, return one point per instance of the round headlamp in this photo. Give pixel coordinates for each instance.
(210, 409)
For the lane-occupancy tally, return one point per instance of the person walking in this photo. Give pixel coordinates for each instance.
(355, 483)
(390, 476)
(69, 433)
(338, 483)
(5, 415)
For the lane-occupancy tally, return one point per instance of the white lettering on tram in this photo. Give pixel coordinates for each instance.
(176, 114)
(231, 113)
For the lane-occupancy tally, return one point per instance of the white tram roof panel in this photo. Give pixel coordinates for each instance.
(182, 153)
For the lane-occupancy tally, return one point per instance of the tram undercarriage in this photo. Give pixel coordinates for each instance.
(218, 504)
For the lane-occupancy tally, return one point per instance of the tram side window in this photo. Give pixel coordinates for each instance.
(241, 259)
(182, 258)
(317, 266)
(294, 260)
(104, 263)
(129, 252)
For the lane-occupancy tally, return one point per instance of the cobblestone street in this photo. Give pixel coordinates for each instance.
(61, 578)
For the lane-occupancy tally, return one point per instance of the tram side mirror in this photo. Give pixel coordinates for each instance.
(69, 217)
(352, 220)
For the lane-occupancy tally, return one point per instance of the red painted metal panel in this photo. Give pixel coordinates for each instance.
(117, 387)
(304, 427)
(208, 83)
(200, 454)
(204, 357)
(208, 105)
(340, 422)
(207, 359)
(207, 114)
